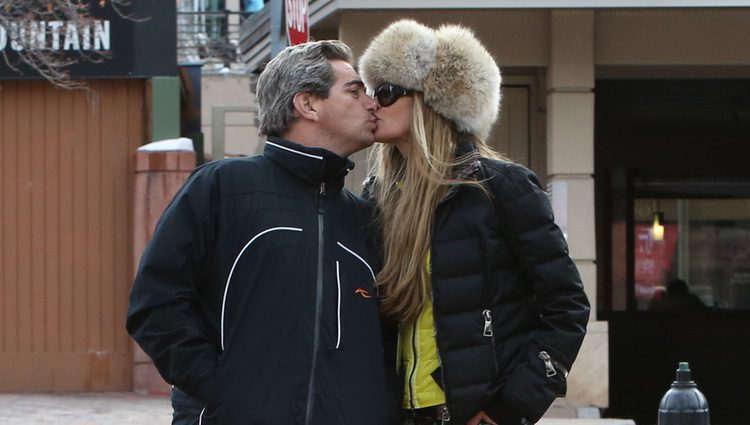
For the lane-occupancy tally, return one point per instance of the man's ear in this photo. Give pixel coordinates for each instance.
(304, 106)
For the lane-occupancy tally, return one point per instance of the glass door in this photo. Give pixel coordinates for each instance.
(691, 252)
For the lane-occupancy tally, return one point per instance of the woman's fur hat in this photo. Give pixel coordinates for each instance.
(459, 78)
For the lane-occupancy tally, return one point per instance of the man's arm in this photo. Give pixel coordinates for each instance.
(164, 314)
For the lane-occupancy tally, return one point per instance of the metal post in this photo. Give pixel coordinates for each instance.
(683, 240)
(278, 35)
(217, 133)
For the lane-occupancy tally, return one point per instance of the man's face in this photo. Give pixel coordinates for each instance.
(346, 116)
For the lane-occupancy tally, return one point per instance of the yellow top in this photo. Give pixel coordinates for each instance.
(420, 358)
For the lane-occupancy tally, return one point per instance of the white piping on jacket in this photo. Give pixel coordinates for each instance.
(226, 288)
(338, 306)
(200, 417)
(294, 151)
(359, 258)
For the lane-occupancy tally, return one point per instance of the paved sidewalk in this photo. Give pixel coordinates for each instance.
(84, 409)
(566, 421)
(133, 409)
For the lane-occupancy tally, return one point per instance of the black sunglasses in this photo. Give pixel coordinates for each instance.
(387, 94)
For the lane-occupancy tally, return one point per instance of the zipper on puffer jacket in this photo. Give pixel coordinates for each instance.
(318, 307)
(445, 412)
(487, 330)
(399, 329)
(551, 366)
(489, 333)
(415, 358)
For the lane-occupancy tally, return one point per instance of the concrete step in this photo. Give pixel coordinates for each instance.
(565, 412)
(584, 421)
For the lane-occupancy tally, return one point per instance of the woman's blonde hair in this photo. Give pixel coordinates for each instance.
(408, 190)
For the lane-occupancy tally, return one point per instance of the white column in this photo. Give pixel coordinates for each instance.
(570, 167)
(570, 134)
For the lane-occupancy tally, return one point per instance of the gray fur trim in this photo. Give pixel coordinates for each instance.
(459, 78)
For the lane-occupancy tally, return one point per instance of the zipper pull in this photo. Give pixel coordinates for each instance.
(321, 194)
(487, 323)
(445, 414)
(547, 364)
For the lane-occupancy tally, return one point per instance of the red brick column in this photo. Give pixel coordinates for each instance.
(158, 176)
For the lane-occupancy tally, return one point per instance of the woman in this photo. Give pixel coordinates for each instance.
(491, 308)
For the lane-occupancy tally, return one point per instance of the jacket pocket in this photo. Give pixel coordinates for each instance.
(552, 366)
(211, 411)
(355, 298)
(556, 372)
(535, 382)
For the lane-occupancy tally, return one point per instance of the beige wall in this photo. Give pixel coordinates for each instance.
(521, 38)
(673, 37)
(240, 131)
(514, 37)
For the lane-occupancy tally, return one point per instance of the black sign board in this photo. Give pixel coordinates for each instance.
(143, 43)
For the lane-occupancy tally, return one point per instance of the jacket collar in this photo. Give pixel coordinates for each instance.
(313, 165)
(465, 147)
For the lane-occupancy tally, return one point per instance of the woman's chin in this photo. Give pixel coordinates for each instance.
(379, 138)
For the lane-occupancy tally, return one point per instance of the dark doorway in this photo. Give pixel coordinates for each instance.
(673, 217)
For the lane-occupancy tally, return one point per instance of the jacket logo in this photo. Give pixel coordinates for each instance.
(362, 293)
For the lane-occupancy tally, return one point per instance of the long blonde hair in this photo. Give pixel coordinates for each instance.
(408, 190)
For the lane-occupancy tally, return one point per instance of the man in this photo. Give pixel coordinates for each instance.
(255, 294)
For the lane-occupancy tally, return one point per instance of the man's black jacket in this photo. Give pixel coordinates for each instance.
(256, 293)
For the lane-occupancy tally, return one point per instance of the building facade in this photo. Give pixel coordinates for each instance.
(66, 210)
(636, 116)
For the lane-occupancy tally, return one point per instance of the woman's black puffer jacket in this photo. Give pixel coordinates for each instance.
(510, 310)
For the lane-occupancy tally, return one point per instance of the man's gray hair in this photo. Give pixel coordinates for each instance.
(300, 68)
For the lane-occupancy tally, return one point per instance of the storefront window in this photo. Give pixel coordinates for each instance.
(692, 253)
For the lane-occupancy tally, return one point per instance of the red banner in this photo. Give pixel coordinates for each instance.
(297, 22)
(653, 259)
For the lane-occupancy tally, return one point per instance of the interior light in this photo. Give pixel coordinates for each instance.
(657, 229)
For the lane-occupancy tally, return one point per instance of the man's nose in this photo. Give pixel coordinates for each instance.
(371, 104)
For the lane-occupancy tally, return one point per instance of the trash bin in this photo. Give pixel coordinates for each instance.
(683, 403)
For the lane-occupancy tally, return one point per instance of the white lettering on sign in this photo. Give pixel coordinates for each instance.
(17, 32)
(297, 10)
(71, 37)
(86, 37)
(37, 35)
(56, 35)
(101, 35)
(54, 27)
